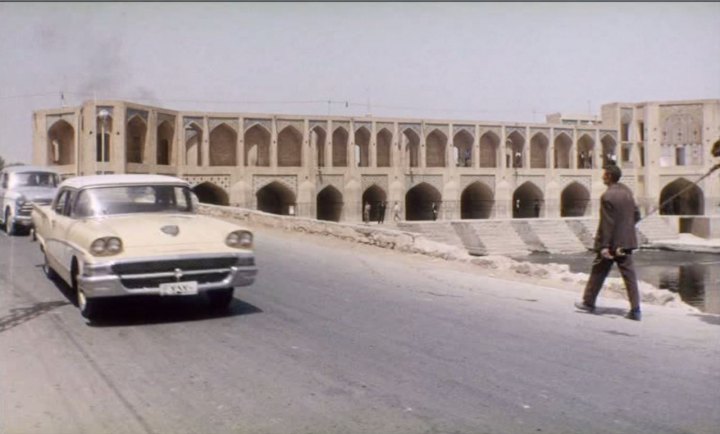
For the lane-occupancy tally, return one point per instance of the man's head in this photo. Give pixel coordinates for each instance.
(611, 174)
(716, 149)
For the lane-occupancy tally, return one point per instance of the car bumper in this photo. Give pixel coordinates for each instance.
(99, 280)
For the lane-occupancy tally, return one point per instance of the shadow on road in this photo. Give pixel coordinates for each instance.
(141, 310)
(710, 319)
(157, 310)
(20, 315)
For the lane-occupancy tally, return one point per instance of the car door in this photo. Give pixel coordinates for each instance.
(56, 244)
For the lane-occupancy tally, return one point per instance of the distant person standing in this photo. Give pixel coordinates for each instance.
(396, 212)
(381, 212)
(614, 242)
(434, 211)
(366, 212)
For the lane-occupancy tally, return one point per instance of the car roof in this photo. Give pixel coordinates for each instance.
(124, 179)
(22, 169)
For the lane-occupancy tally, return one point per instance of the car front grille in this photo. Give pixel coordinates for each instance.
(27, 207)
(154, 282)
(170, 265)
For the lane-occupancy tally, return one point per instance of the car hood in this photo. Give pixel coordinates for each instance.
(165, 232)
(36, 193)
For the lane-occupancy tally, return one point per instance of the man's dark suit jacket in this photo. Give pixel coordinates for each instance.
(618, 215)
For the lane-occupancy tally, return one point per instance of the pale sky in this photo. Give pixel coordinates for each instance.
(470, 61)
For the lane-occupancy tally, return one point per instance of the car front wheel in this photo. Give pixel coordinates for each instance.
(9, 223)
(88, 306)
(220, 298)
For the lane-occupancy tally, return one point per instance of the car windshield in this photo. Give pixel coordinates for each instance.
(33, 179)
(131, 199)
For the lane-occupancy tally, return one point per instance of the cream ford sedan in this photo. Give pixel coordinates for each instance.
(119, 235)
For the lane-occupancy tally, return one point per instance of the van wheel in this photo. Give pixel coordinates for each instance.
(220, 299)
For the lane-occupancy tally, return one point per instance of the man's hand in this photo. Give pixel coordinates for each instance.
(605, 253)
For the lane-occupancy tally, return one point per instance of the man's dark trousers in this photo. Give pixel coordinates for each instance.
(600, 269)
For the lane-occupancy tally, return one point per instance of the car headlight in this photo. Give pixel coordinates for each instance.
(106, 246)
(20, 201)
(240, 239)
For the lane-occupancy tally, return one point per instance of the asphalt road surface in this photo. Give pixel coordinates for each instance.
(342, 338)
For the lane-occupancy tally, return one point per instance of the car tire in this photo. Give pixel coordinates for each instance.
(88, 306)
(220, 298)
(10, 227)
(47, 269)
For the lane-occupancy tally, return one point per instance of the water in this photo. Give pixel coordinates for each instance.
(694, 276)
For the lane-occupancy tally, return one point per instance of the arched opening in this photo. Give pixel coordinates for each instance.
(257, 146)
(516, 148)
(384, 145)
(208, 192)
(690, 199)
(135, 142)
(329, 204)
(585, 150)
(538, 151)
(489, 145)
(193, 149)
(435, 145)
(362, 142)
(419, 202)
(412, 148)
(462, 149)
(317, 139)
(290, 147)
(476, 201)
(527, 201)
(61, 143)
(223, 146)
(563, 146)
(165, 136)
(374, 195)
(103, 138)
(339, 147)
(574, 200)
(609, 150)
(276, 198)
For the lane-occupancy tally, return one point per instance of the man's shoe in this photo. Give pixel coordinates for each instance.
(634, 315)
(584, 306)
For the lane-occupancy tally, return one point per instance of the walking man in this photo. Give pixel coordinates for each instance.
(614, 242)
(366, 212)
(396, 212)
(381, 212)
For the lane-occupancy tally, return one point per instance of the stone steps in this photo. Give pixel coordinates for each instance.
(441, 232)
(584, 229)
(498, 237)
(655, 227)
(555, 236)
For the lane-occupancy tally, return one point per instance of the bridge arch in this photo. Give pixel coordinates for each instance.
(690, 202)
(276, 198)
(574, 200)
(419, 201)
(329, 204)
(476, 201)
(61, 143)
(527, 201)
(289, 147)
(374, 195)
(257, 146)
(207, 192)
(223, 140)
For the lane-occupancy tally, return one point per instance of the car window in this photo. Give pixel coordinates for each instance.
(34, 179)
(132, 199)
(61, 202)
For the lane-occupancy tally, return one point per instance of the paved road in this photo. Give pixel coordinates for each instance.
(343, 338)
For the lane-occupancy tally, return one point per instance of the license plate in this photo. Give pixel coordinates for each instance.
(179, 288)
